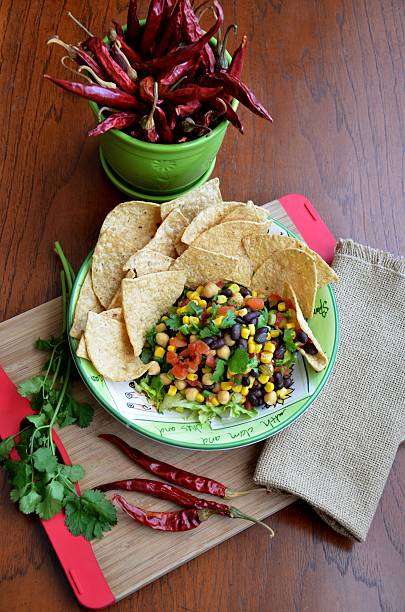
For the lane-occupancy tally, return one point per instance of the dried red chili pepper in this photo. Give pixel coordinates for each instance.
(238, 58)
(146, 87)
(234, 87)
(179, 497)
(182, 520)
(189, 93)
(133, 57)
(162, 126)
(119, 121)
(133, 25)
(101, 95)
(172, 35)
(192, 32)
(152, 26)
(229, 114)
(182, 54)
(175, 73)
(114, 70)
(177, 476)
(79, 56)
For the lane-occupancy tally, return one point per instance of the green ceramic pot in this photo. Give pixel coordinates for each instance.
(167, 170)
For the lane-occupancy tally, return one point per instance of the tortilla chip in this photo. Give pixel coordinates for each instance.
(227, 237)
(169, 234)
(136, 222)
(110, 254)
(113, 313)
(291, 266)
(147, 298)
(202, 266)
(180, 248)
(248, 212)
(320, 360)
(147, 261)
(259, 249)
(194, 201)
(206, 218)
(116, 302)
(110, 350)
(81, 350)
(87, 301)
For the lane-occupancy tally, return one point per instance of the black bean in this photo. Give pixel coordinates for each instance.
(251, 316)
(209, 340)
(254, 399)
(217, 343)
(242, 343)
(240, 320)
(261, 335)
(287, 382)
(235, 331)
(245, 381)
(254, 373)
(227, 292)
(302, 337)
(279, 352)
(243, 291)
(310, 348)
(278, 380)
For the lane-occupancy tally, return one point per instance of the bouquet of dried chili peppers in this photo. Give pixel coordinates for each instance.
(163, 81)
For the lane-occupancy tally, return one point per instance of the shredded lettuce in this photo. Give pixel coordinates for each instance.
(153, 388)
(205, 413)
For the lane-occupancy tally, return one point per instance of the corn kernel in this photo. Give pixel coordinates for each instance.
(172, 390)
(194, 295)
(159, 352)
(242, 312)
(251, 346)
(254, 293)
(252, 329)
(202, 303)
(242, 400)
(209, 309)
(206, 369)
(164, 318)
(266, 357)
(221, 299)
(199, 398)
(226, 386)
(192, 376)
(269, 346)
(214, 401)
(251, 381)
(194, 320)
(258, 348)
(234, 288)
(263, 378)
(230, 373)
(269, 387)
(275, 333)
(237, 388)
(218, 321)
(199, 289)
(186, 319)
(283, 393)
(189, 294)
(244, 391)
(171, 348)
(281, 306)
(245, 333)
(181, 310)
(290, 326)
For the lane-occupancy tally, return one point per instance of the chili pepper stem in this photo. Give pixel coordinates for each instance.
(204, 515)
(235, 513)
(230, 493)
(77, 22)
(101, 82)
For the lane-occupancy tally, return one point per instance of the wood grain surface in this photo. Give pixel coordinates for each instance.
(332, 74)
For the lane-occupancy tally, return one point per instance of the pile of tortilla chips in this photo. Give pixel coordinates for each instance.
(146, 254)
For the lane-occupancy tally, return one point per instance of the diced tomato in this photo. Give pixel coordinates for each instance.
(255, 303)
(179, 371)
(205, 315)
(198, 347)
(183, 303)
(248, 405)
(223, 310)
(280, 319)
(274, 298)
(178, 341)
(288, 303)
(172, 357)
(220, 283)
(194, 383)
(211, 361)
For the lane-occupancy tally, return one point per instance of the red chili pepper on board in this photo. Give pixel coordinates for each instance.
(168, 472)
(114, 70)
(182, 520)
(101, 95)
(152, 26)
(119, 121)
(133, 26)
(238, 58)
(179, 497)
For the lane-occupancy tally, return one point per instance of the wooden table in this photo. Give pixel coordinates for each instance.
(332, 73)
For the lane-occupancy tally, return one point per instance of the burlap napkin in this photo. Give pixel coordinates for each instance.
(338, 455)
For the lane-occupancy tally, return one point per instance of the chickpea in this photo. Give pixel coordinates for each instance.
(238, 300)
(228, 340)
(224, 352)
(180, 384)
(271, 398)
(191, 393)
(154, 368)
(193, 338)
(207, 379)
(217, 387)
(161, 327)
(162, 339)
(166, 380)
(223, 397)
(210, 289)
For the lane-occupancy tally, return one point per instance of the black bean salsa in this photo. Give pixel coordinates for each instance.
(223, 351)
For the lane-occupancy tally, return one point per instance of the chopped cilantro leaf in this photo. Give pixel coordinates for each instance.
(263, 318)
(194, 309)
(219, 370)
(150, 336)
(240, 361)
(210, 330)
(229, 320)
(173, 322)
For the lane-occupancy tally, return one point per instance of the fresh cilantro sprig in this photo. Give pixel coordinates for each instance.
(39, 482)
(240, 361)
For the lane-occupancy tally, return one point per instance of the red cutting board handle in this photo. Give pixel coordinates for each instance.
(75, 553)
(310, 225)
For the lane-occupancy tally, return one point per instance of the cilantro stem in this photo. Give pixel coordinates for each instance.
(59, 404)
(70, 276)
(64, 299)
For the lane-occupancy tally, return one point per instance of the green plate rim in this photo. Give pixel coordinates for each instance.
(179, 444)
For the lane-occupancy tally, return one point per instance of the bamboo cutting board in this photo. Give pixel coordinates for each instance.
(131, 556)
